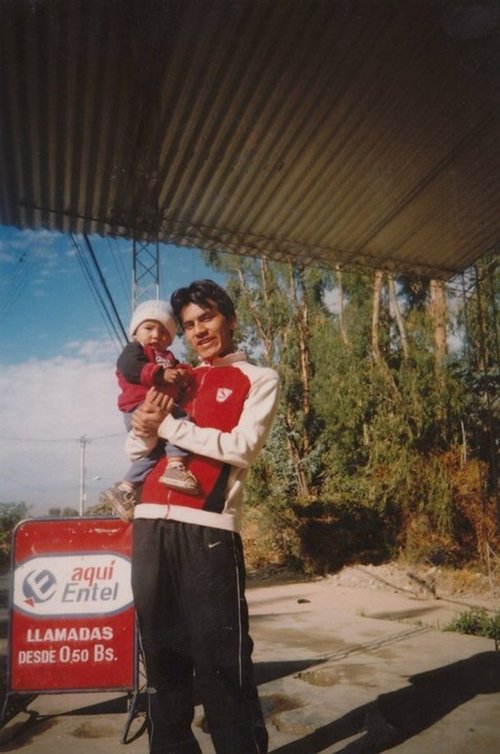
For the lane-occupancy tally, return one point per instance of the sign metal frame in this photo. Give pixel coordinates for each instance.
(72, 624)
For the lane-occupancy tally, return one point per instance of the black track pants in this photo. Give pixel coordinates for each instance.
(188, 583)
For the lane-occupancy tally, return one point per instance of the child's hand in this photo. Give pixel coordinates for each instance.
(185, 377)
(172, 376)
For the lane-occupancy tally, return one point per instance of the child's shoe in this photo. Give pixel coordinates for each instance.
(122, 497)
(177, 477)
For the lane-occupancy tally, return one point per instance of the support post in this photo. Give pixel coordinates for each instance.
(83, 444)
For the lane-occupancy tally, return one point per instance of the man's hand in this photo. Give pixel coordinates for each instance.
(147, 418)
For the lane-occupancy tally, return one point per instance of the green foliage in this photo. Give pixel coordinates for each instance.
(371, 454)
(477, 622)
(67, 512)
(479, 314)
(10, 515)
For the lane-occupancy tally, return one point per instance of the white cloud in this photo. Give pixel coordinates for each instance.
(40, 242)
(93, 350)
(46, 407)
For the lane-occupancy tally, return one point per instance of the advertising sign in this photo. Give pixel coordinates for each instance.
(72, 622)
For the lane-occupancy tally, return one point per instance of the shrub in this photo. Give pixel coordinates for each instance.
(477, 622)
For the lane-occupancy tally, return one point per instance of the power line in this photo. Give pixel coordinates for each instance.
(106, 289)
(13, 288)
(59, 439)
(117, 259)
(96, 293)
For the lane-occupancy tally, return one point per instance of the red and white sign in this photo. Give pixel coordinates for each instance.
(72, 624)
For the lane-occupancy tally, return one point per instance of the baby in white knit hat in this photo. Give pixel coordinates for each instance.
(143, 363)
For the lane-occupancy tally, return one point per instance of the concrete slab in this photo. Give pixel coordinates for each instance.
(340, 670)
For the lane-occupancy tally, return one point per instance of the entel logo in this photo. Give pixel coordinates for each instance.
(39, 586)
(73, 585)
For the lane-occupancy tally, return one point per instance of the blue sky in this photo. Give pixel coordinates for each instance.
(46, 305)
(57, 359)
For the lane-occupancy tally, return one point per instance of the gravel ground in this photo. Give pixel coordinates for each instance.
(417, 581)
(420, 580)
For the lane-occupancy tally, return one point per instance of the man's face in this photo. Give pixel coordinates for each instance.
(208, 331)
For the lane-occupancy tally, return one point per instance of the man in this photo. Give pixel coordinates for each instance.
(188, 573)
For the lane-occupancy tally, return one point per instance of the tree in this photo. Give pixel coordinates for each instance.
(478, 365)
(365, 453)
(10, 515)
(67, 512)
(377, 294)
(276, 304)
(398, 316)
(437, 311)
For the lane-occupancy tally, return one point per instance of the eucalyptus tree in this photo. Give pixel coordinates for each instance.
(364, 450)
(279, 307)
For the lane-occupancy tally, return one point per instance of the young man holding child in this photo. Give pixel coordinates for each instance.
(188, 573)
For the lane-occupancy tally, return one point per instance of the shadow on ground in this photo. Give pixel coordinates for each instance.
(380, 725)
(399, 715)
(34, 725)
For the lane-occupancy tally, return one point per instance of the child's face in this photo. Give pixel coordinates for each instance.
(152, 333)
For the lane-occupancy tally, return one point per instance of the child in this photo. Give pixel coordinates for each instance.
(143, 363)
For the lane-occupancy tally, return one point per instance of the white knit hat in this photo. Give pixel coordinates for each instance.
(156, 310)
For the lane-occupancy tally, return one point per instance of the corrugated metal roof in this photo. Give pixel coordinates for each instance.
(362, 132)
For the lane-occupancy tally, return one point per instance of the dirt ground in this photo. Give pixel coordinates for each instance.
(435, 581)
(468, 586)
(327, 650)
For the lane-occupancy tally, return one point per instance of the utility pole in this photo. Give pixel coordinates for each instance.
(83, 444)
(146, 271)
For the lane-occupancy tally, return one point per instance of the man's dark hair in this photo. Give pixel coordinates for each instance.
(204, 293)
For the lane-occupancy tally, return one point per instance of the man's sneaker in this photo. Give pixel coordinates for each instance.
(177, 477)
(123, 499)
